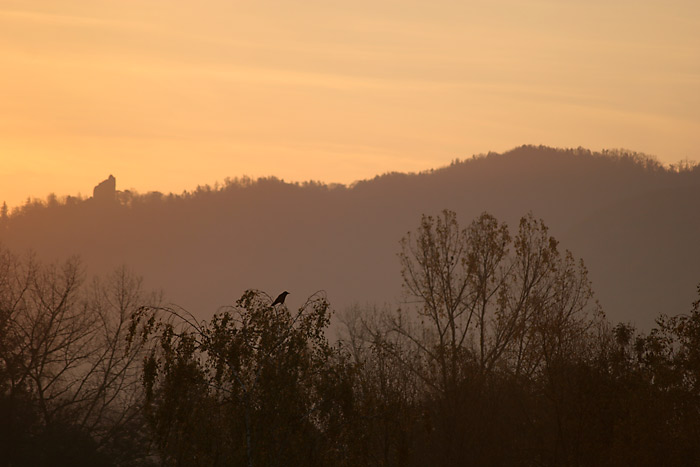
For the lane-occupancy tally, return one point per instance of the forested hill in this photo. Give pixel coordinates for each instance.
(635, 223)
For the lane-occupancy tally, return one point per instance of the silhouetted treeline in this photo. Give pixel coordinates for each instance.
(635, 221)
(498, 355)
(621, 161)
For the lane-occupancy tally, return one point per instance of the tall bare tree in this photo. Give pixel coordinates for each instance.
(64, 348)
(490, 299)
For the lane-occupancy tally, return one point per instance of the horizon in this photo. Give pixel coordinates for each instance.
(22, 200)
(170, 95)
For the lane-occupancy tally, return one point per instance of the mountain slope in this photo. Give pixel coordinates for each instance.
(633, 222)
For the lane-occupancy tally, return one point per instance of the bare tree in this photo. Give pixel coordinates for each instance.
(488, 298)
(64, 343)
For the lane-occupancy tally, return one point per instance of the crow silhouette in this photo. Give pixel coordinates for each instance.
(280, 298)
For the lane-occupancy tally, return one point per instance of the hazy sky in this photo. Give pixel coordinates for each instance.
(169, 94)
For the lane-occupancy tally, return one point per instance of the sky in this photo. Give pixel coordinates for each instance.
(170, 94)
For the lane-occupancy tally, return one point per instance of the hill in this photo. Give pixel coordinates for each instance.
(634, 222)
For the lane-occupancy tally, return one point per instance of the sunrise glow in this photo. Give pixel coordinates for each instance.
(170, 94)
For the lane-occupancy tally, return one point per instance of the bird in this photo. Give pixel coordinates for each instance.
(280, 298)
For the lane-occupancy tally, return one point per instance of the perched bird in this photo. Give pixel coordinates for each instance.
(280, 298)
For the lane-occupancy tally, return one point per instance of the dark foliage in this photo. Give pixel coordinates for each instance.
(499, 356)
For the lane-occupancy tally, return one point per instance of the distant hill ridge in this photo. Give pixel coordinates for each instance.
(635, 223)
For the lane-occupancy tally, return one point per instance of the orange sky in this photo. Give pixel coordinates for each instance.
(169, 94)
